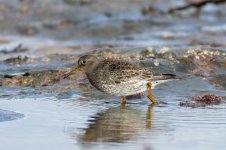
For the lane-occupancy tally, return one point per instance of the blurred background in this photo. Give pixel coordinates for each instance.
(78, 25)
(40, 40)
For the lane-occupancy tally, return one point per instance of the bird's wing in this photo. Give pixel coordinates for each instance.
(122, 71)
(149, 75)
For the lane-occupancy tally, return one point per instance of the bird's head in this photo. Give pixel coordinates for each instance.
(86, 64)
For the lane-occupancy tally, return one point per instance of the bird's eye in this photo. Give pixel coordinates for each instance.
(83, 62)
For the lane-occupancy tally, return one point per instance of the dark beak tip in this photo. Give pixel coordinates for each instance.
(67, 74)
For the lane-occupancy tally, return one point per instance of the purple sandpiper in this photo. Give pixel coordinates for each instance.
(119, 77)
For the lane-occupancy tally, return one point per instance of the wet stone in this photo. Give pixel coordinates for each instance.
(33, 79)
(27, 30)
(80, 2)
(18, 60)
(6, 115)
(59, 25)
(18, 49)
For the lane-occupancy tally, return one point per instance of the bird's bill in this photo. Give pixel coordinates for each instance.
(75, 69)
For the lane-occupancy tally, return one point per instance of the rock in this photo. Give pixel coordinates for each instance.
(18, 60)
(17, 49)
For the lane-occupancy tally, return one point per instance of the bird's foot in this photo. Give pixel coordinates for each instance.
(150, 96)
(123, 100)
(152, 99)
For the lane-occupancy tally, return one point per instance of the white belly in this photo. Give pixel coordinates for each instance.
(125, 89)
(131, 88)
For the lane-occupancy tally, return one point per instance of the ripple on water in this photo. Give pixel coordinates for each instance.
(6, 115)
(205, 118)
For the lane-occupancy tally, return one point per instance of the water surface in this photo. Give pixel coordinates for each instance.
(38, 112)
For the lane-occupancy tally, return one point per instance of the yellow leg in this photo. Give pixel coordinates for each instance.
(150, 96)
(123, 100)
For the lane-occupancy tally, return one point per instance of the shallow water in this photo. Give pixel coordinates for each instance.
(73, 121)
(38, 111)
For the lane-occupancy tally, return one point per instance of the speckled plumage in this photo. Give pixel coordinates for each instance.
(118, 77)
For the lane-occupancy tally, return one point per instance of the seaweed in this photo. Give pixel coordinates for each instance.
(202, 101)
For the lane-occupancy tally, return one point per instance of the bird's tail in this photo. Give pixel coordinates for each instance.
(163, 77)
(157, 76)
(168, 76)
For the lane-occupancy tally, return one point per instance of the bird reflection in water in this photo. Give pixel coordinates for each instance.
(117, 124)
